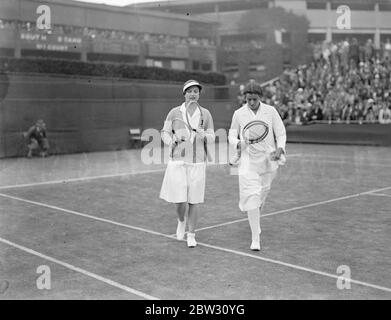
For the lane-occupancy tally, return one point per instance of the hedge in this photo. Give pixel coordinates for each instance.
(112, 70)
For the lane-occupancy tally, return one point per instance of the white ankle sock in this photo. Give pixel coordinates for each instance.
(255, 224)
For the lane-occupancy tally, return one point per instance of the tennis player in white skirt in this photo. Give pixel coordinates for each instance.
(184, 178)
(257, 170)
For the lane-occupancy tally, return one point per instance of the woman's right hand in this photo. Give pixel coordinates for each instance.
(241, 145)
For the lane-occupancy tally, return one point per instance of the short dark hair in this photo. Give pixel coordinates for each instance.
(253, 87)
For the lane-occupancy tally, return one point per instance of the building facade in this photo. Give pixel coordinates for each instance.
(90, 32)
(362, 19)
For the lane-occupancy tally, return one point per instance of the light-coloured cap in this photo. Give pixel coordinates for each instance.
(191, 83)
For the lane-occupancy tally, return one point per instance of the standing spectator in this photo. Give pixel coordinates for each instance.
(241, 97)
(387, 50)
(344, 54)
(37, 139)
(369, 50)
(354, 53)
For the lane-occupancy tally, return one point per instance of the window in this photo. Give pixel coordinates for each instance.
(206, 66)
(256, 67)
(149, 62)
(316, 4)
(196, 65)
(178, 64)
(158, 63)
(230, 67)
(153, 63)
(353, 6)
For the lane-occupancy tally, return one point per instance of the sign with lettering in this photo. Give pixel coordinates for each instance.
(52, 42)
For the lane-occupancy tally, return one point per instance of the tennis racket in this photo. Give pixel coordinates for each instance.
(253, 134)
(200, 127)
(181, 132)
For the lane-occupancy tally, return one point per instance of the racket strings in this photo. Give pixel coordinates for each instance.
(255, 133)
(181, 131)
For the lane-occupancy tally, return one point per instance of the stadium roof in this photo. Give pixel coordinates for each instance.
(173, 3)
(167, 3)
(129, 9)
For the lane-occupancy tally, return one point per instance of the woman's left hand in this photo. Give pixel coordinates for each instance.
(201, 133)
(276, 155)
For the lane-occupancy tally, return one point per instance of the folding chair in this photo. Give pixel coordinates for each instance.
(136, 139)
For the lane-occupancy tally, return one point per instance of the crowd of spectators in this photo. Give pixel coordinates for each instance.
(95, 33)
(345, 82)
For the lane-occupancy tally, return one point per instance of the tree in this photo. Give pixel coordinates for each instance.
(262, 23)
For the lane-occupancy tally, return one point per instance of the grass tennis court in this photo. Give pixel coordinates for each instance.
(96, 221)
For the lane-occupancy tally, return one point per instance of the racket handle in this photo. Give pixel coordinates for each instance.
(172, 150)
(235, 159)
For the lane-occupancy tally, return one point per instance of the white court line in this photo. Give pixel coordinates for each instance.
(278, 262)
(297, 208)
(79, 270)
(366, 164)
(79, 179)
(380, 195)
(83, 215)
(33, 184)
(294, 266)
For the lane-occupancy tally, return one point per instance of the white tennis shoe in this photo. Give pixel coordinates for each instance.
(255, 246)
(191, 242)
(180, 229)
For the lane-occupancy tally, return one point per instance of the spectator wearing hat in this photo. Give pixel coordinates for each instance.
(184, 179)
(369, 114)
(256, 169)
(37, 139)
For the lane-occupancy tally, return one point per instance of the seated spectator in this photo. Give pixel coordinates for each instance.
(298, 116)
(342, 89)
(316, 113)
(37, 139)
(370, 115)
(305, 115)
(385, 114)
